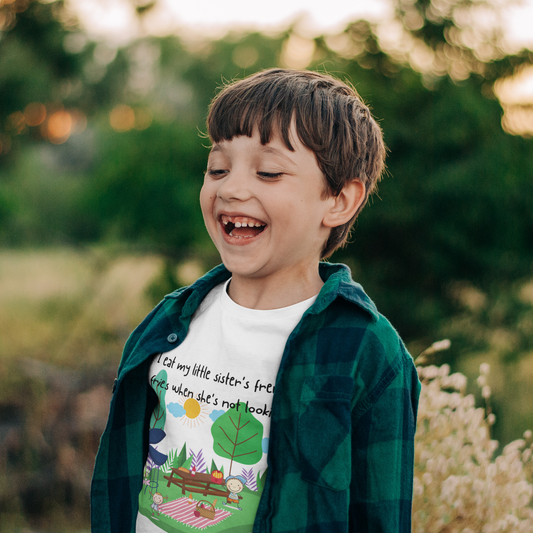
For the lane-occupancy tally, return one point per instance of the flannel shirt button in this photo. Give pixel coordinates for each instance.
(172, 337)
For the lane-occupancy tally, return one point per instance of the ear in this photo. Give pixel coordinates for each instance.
(345, 204)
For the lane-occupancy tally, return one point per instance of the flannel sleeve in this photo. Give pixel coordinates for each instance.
(381, 488)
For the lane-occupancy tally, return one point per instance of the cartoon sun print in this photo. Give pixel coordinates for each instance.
(191, 412)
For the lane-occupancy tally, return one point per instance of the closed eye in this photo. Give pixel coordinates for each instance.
(216, 172)
(270, 175)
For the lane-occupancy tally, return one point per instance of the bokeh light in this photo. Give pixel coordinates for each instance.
(59, 127)
(122, 118)
(79, 120)
(16, 122)
(297, 52)
(516, 96)
(35, 114)
(245, 56)
(143, 118)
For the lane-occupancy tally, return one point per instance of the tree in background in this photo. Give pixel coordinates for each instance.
(455, 204)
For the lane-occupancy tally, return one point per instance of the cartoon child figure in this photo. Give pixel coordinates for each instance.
(158, 500)
(234, 484)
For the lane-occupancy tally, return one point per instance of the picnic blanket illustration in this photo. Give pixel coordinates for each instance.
(182, 511)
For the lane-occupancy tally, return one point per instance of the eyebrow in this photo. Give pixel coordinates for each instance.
(216, 148)
(264, 148)
(274, 151)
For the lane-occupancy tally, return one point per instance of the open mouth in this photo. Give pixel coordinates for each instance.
(242, 227)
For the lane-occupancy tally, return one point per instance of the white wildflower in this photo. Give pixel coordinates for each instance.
(444, 370)
(427, 478)
(514, 446)
(431, 372)
(484, 369)
(459, 485)
(458, 381)
(441, 345)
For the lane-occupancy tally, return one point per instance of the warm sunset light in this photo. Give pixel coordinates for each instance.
(518, 120)
(59, 127)
(122, 118)
(35, 113)
(516, 96)
(16, 122)
(297, 52)
(115, 19)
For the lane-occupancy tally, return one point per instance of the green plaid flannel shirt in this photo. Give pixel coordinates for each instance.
(343, 420)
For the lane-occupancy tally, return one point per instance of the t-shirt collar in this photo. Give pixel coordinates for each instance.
(337, 283)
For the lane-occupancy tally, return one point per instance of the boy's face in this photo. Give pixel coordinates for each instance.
(234, 485)
(264, 208)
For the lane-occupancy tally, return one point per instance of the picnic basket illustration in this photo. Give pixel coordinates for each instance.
(205, 512)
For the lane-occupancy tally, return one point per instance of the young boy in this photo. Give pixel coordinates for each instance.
(273, 367)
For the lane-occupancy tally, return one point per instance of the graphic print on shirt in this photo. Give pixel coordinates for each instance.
(215, 484)
(208, 437)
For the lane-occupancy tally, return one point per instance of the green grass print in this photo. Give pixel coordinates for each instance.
(238, 522)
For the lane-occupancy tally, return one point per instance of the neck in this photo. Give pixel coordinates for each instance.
(275, 291)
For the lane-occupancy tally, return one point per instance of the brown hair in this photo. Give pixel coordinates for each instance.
(331, 120)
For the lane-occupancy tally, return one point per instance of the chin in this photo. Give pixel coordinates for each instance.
(243, 268)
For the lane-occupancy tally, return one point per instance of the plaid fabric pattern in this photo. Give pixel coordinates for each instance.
(341, 449)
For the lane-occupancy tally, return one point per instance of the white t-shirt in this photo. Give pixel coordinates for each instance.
(209, 436)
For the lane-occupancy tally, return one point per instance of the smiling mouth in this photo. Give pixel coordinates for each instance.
(242, 227)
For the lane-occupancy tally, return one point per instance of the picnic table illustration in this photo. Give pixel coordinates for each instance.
(198, 483)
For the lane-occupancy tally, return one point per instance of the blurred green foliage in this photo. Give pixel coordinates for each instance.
(444, 249)
(456, 203)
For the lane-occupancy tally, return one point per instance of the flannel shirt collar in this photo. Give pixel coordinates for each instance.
(337, 283)
(173, 316)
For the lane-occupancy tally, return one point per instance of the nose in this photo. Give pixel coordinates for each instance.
(235, 185)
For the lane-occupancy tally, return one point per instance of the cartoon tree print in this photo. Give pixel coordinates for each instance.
(237, 435)
(160, 412)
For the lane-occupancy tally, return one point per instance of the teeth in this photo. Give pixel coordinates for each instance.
(243, 222)
(239, 236)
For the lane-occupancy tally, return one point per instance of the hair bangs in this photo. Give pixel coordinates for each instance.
(264, 108)
(329, 117)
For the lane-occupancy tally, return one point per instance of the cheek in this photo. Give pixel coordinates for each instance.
(206, 200)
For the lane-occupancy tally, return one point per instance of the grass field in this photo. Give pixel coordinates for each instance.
(64, 317)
